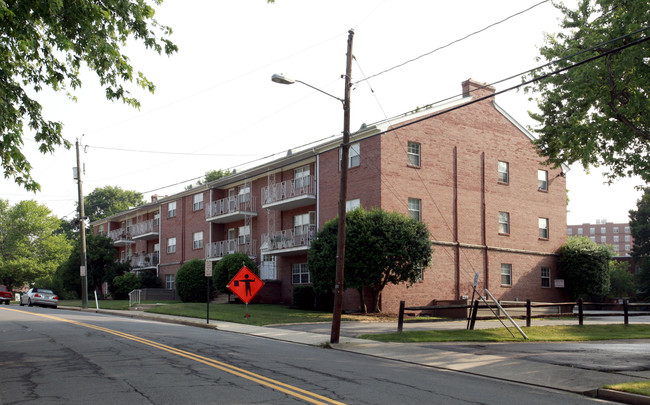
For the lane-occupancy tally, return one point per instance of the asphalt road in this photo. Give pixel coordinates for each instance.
(59, 357)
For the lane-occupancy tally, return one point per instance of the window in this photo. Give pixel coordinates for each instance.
(413, 152)
(100, 230)
(579, 231)
(171, 209)
(542, 180)
(603, 229)
(197, 202)
(506, 274)
(504, 223)
(354, 155)
(415, 208)
(627, 229)
(352, 204)
(300, 274)
(301, 223)
(603, 239)
(627, 238)
(197, 240)
(171, 245)
(592, 231)
(616, 229)
(170, 281)
(156, 247)
(244, 193)
(301, 177)
(569, 231)
(627, 248)
(615, 238)
(244, 234)
(504, 174)
(543, 228)
(546, 277)
(593, 238)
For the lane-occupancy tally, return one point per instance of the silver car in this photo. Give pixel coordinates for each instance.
(39, 296)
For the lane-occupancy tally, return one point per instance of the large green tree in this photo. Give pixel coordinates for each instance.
(30, 246)
(106, 201)
(640, 230)
(597, 113)
(47, 44)
(584, 265)
(381, 248)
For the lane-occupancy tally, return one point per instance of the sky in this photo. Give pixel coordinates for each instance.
(215, 106)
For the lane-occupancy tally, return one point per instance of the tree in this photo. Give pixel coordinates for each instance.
(191, 281)
(105, 201)
(227, 268)
(597, 113)
(584, 265)
(30, 247)
(45, 44)
(211, 176)
(640, 230)
(122, 285)
(621, 281)
(381, 248)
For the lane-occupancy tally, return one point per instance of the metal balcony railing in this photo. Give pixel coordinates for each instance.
(232, 205)
(146, 260)
(119, 234)
(290, 238)
(219, 249)
(144, 227)
(289, 189)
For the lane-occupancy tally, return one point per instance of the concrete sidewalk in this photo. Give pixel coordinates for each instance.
(503, 367)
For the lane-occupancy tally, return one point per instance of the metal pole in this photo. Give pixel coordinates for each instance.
(340, 241)
(82, 226)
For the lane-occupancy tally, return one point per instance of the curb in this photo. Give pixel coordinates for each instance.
(622, 397)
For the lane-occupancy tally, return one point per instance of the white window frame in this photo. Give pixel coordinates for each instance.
(603, 239)
(301, 176)
(503, 172)
(603, 229)
(579, 231)
(197, 202)
(592, 231)
(616, 229)
(197, 240)
(506, 274)
(170, 281)
(628, 238)
(627, 229)
(352, 204)
(244, 193)
(301, 223)
(171, 245)
(171, 209)
(354, 155)
(569, 231)
(244, 234)
(413, 152)
(542, 180)
(546, 277)
(616, 239)
(543, 225)
(415, 208)
(504, 223)
(300, 274)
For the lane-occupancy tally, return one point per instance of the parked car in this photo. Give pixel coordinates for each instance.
(5, 295)
(39, 296)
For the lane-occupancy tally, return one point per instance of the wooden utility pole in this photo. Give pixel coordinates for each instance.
(83, 271)
(340, 241)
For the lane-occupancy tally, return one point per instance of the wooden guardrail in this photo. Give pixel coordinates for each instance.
(528, 305)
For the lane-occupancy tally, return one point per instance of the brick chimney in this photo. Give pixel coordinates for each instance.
(154, 198)
(476, 89)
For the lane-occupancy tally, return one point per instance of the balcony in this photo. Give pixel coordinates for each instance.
(148, 260)
(217, 250)
(147, 230)
(289, 242)
(121, 237)
(231, 209)
(290, 194)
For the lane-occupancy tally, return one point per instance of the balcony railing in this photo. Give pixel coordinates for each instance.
(231, 209)
(295, 193)
(217, 250)
(146, 260)
(145, 230)
(289, 240)
(121, 237)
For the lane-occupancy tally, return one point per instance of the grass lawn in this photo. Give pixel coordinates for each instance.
(565, 333)
(108, 304)
(641, 388)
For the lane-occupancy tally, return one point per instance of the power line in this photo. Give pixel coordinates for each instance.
(451, 43)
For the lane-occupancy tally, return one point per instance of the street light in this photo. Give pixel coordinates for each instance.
(345, 151)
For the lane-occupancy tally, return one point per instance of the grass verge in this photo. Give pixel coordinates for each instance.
(109, 304)
(641, 387)
(566, 333)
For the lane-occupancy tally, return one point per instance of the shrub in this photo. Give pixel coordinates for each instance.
(227, 267)
(304, 297)
(191, 281)
(150, 280)
(124, 284)
(585, 267)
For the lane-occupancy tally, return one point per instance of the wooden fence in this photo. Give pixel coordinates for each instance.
(528, 306)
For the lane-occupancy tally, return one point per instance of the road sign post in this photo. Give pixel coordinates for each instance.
(245, 285)
(208, 276)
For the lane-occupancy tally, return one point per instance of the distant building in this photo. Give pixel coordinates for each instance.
(606, 233)
(472, 174)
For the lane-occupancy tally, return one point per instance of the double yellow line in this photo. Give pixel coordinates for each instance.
(256, 378)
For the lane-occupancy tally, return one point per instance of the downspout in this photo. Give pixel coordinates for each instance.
(483, 225)
(457, 249)
(160, 221)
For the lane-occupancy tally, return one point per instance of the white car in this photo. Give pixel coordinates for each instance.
(39, 296)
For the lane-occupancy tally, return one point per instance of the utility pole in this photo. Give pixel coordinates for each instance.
(340, 241)
(82, 226)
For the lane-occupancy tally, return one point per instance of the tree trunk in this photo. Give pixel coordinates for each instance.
(362, 302)
(377, 301)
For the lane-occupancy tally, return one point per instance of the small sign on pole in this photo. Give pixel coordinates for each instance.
(208, 268)
(82, 271)
(476, 275)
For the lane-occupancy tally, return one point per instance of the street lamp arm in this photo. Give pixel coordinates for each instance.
(324, 92)
(282, 79)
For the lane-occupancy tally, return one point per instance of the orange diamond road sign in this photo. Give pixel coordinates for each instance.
(245, 284)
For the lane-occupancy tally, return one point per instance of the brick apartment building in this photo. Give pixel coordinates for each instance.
(471, 174)
(606, 233)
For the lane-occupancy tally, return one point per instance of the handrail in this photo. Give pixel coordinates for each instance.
(134, 297)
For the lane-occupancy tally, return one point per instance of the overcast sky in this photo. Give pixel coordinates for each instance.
(215, 106)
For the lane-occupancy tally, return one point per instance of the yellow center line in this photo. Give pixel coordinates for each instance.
(239, 372)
